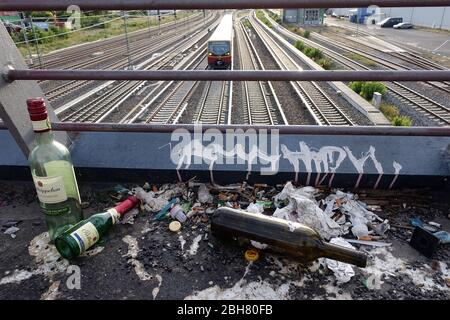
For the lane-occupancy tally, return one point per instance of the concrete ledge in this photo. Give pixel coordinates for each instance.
(347, 161)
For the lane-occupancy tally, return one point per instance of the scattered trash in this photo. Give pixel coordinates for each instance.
(251, 255)
(303, 243)
(255, 208)
(303, 208)
(121, 193)
(177, 213)
(265, 204)
(424, 241)
(175, 226)
(11, 231)
(443, 236)
(195, 244)
(88, 232)
(295, 221)
(370, 243)
(434, 224)
(416, 222)
(165, 210)
(156, 201)
(128, 218)
(343, 271)
(203, 194)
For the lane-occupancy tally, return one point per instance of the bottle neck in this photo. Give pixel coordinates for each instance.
(43, 130)
(44, 137)
(343, 254)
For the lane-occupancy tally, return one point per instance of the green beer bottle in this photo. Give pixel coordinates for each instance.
(80, 237)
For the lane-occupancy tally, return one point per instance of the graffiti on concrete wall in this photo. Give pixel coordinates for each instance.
(252, 148)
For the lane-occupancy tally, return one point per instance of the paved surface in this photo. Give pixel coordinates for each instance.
(146, 261)
(417, 39)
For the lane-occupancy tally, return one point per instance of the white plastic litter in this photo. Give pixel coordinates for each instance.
(153, 202)
(343, 271)
(358, 215)
(303, 208)
(255, 208)
(203, 194)
(128, 217)
(12, 231)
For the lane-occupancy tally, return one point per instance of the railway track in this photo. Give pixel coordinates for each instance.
(416, 101)
(389, 64)
(97, 109)
(322, 108)
(421, 103)
(172, 106)
(258, 108)
(70, 58)
(214, 102)
(69, 87)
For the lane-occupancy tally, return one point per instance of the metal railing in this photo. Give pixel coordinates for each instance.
(15, 69)
(26, 5)
(228, 75)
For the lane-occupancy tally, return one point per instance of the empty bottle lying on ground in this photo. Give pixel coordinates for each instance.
(288, 237)
(80, 237)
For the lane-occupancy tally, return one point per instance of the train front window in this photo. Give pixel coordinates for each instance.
(219, 48)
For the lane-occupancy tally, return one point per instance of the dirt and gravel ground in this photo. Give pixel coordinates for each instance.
(147, 261)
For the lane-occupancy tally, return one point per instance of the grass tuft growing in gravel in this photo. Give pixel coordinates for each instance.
(361, 59)
(261, 16)
(367, 89)
(402, 121)
(393, 114)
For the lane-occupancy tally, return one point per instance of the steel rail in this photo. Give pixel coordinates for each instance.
(280, 129)
(342, 59)
(257, 113)
(322, 107)
(212, 104)
(33, 5)
(11, 74)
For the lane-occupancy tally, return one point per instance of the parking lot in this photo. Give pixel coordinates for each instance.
(418, 39)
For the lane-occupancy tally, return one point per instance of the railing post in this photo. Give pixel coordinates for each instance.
(13, 97)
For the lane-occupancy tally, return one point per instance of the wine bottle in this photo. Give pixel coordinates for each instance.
(53, 174)
(292, 238)
(80, 237)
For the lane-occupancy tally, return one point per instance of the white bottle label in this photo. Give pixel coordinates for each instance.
(114, 215)
(50, 189)
(41, 125)
(85, 236)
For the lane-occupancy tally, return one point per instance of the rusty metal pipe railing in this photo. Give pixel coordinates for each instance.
(28, 5)
(294, 129)
(228, 75)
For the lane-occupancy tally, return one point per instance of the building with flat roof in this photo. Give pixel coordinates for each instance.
(303, 16)
(432, 17)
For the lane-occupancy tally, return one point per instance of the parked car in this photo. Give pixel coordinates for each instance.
(390, 22)
(41, 25)
(404, 25)
(11, 27)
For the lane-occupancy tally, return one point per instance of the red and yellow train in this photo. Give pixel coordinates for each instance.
(220, 45)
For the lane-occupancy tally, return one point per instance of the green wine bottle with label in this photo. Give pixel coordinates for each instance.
(80, 237)
(53, 174)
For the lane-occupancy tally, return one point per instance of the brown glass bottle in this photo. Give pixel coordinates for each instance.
(292, 238)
